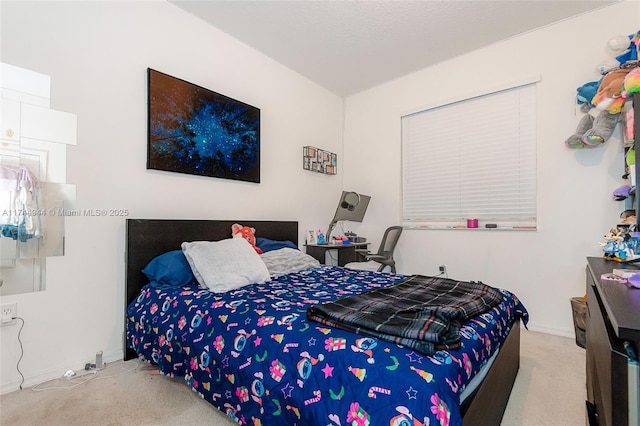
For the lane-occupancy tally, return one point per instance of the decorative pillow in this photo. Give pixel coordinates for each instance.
(170, 268)
(287, 260)
(266, 244)
(225, 265)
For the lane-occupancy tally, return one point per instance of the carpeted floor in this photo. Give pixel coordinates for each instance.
(549, 391)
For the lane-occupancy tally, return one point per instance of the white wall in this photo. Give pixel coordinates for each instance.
(97, 54)
(543, 268)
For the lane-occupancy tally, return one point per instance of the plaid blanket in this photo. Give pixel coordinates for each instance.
(419, 312)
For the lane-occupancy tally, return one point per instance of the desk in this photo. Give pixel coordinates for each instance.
(613, 334)
(346, 252)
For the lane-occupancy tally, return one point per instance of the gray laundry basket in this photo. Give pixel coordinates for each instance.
(579, 309)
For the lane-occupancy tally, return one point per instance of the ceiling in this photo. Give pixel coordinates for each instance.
(350, 46)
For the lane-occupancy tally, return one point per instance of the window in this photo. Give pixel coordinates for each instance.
(472, 159)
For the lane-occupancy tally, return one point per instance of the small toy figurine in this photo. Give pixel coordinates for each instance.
(610, 246)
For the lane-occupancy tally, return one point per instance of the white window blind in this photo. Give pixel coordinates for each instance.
(473, 159)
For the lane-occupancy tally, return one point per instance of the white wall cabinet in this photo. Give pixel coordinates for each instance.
(10, 121)
(47, 124)
(33, 135)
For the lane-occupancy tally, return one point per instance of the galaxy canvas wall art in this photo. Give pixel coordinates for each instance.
(198, 131)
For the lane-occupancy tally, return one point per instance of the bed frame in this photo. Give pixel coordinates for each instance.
(148, 238)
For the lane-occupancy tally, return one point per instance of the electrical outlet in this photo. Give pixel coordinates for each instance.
(9, 311)
(443, 270)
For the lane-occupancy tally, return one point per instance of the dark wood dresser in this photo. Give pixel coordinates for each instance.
(612, 345)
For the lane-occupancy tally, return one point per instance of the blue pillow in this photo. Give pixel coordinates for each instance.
(170, 268)
(266, 244)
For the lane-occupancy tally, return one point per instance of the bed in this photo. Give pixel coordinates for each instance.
(253, 354)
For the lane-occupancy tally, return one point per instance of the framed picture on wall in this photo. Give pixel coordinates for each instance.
(197, 131)
(319, 160)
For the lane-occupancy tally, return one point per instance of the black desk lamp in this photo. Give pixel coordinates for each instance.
(352, 206)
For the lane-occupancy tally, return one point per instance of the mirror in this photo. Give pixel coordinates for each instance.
(34, 197)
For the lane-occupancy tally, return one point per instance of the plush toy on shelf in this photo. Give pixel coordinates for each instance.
(587, 92)
(631, 83)
(248, 233)
(614, 246)
(592, 131)
(603, 108)
(609, 94)
(586, 123)
(629, 52)
(629, 88)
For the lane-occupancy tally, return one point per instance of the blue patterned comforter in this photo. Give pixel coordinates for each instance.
(253, 354)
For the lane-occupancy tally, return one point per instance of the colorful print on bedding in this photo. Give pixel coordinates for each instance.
(253, 354)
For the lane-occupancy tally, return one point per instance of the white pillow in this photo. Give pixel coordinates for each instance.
(225, 265)
(287, 260)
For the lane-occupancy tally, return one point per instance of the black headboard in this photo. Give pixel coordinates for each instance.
(148, 238)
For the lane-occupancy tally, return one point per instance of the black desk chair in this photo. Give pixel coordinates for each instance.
(383, 259)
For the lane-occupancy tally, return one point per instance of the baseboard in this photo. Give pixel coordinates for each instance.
(551, 330)
(55, 372)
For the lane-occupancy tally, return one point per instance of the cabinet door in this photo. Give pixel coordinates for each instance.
(598, 359)
(10, 121)
(590, 337)
(48, 124)
(606, 365)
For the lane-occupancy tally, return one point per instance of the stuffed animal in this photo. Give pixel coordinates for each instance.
(603, 126)
(608, 97)
(608, 102)
(587, 91)
(249, 234)
(631, 51)
(611, 90)
(631, 83)
(592, 131)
